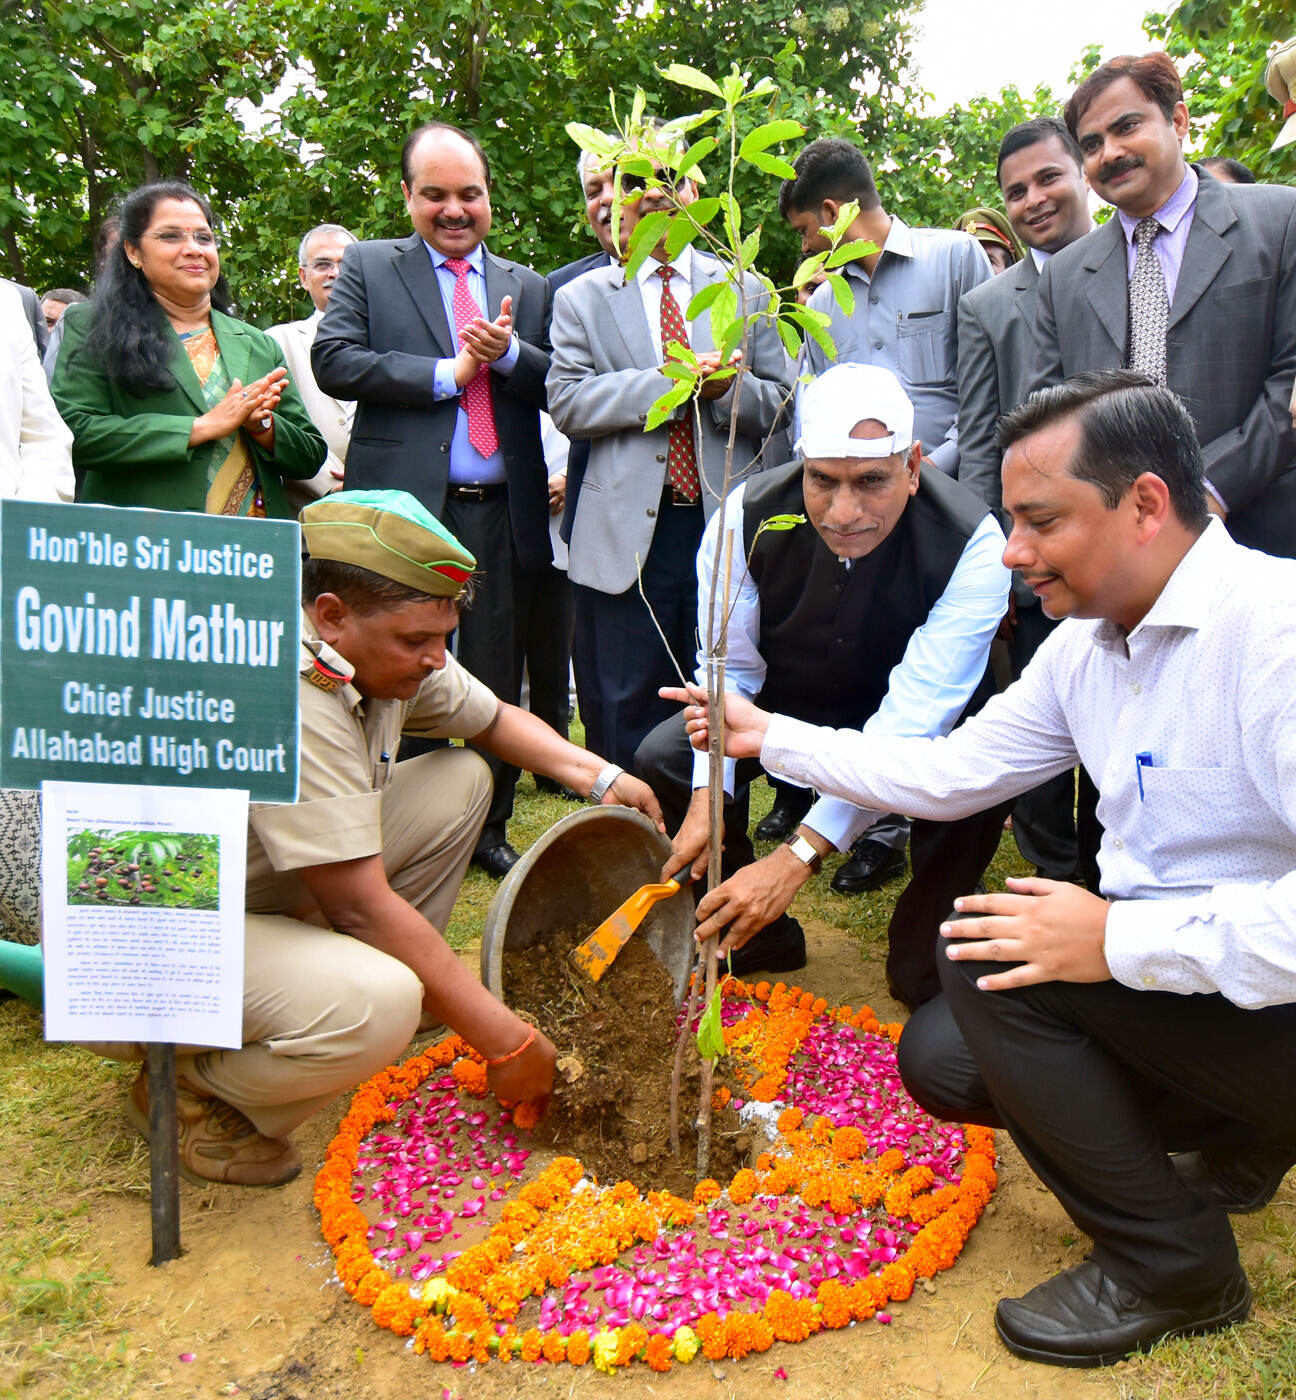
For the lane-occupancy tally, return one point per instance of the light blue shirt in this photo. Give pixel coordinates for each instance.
(1175, 217)
(906, 320)
(941, 667)
(467, 466)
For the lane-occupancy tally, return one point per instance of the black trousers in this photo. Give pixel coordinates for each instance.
(619, 659)
(1096, 1083)
(947, 858)
(545, 619)
(1055, 824)
(490, 639)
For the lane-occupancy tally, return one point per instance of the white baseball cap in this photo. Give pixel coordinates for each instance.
(844, 396)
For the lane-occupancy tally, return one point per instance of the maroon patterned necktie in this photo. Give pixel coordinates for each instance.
(476, 398)
(681, 460)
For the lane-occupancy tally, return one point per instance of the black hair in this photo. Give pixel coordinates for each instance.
(1226, 166)
(130, 338)
(1031, 133)
(1128, 426)
(412, 140)
(364, 591)
(828, 169)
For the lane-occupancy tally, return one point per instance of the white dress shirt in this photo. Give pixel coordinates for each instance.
(928, 690)
(1199, 837)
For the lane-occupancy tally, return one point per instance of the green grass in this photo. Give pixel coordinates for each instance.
(63, 1142)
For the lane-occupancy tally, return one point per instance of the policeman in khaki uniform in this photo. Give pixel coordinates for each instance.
(348, 888)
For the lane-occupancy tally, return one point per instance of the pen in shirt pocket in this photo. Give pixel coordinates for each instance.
(382, 771)
(1142, 761)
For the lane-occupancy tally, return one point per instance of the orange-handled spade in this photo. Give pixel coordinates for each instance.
(595, 955)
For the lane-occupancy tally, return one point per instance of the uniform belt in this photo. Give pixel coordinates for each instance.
(455, 492)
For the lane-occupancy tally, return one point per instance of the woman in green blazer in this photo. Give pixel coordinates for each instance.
(173, 403)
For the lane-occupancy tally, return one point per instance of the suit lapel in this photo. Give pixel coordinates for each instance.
(1206, 251)
(626, 307)
(235, 346)
(414, 266)
(501, 282)
(1107, 291)
(185, 376)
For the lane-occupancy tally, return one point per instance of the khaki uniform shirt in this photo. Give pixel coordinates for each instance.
(348, 748)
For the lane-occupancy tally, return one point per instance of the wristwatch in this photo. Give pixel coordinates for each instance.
(605, 779)
(804, 852)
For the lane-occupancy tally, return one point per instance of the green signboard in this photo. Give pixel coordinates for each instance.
(144, 646)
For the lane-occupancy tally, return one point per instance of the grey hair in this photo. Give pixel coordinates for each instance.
(322, 228)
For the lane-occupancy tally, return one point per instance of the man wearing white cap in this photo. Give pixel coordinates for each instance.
(875, 608)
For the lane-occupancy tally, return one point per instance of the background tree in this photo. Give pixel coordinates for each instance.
(1221, 48)
(289, 112)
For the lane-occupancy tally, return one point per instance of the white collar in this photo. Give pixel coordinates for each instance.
(682, 263)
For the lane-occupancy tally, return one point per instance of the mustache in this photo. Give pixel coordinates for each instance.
(442, 222)
(1119, 167)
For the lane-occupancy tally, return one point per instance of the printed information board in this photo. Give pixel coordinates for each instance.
(143, 913)
(150, 647)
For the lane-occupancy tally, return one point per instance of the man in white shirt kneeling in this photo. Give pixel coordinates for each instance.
(1106, 1033)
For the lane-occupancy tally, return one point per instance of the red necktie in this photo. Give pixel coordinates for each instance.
(681, 460)
(476, 399)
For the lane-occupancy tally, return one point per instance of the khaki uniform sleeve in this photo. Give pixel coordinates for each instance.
(338, 815)
(452, 704)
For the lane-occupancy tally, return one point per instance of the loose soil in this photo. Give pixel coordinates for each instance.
(254, 1304)
(616, 1047)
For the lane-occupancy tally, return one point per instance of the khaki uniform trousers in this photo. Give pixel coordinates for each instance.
(322, 1011)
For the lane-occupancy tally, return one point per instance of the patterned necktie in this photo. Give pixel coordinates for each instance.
(476, 398)
(1149, 306)
(681, 461)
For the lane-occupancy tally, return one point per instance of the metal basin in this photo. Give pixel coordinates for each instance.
(574, 876)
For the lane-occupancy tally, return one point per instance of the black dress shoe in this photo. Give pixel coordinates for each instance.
(782, 821)
(1240, 1182)
(778, 947)
(1081, 1317)
(496, 861)
(556, 789)
(869, 866)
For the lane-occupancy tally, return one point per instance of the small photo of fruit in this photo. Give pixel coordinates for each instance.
(144, 869)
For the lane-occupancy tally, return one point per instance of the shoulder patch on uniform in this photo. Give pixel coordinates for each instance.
(324, 676)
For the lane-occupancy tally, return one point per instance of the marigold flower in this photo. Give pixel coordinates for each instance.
(658, 1352)
(578, 1347)
(532, 1344)
(743, 1187)
(471, 1077)
(684, 1344)
(604, 1348)
(705, 1191)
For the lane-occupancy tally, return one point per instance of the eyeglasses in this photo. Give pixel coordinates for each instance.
(322, 265)
(664, 180)
(176, 237)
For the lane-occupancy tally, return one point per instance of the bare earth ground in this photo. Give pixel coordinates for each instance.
(253, 1302)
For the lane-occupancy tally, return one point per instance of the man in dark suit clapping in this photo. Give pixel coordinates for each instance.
(444, 347)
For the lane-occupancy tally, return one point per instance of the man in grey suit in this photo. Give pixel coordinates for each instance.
(319, 260)
(1220, 277)
(444, 347)
(638, 524)
(1041, 176)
